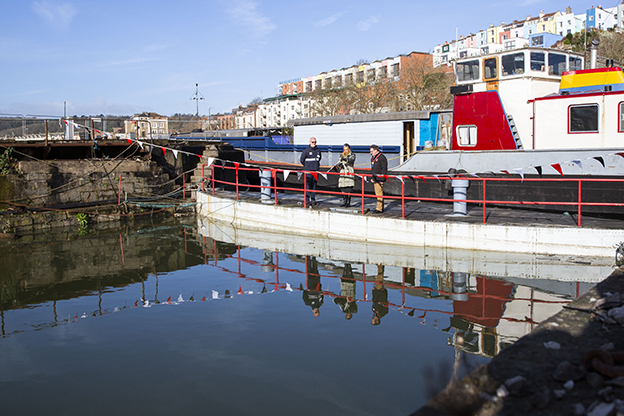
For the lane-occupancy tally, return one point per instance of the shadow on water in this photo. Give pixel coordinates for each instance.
(438, 312)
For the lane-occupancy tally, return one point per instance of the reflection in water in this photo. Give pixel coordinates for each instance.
(488, 313)
(380, 297)
(313, 294)
(346, 301)
(239, 293)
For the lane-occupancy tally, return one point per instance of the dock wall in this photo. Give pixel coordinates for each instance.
(64, 182)
(297, 221)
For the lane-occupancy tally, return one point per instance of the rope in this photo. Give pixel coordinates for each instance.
(79, 210)
(150, 205)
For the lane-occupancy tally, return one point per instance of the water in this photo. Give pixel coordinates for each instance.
(163, 318)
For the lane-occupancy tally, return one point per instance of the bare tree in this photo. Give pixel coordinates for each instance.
(422, 87)
(327, 102)
(372, 95)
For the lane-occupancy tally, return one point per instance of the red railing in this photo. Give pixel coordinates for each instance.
(365, 178)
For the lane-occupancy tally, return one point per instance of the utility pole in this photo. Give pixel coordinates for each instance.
(197, 97)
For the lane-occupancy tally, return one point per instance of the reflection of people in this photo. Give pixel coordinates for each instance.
(312, 296)
(379, 170)
(346, 179)
(346, 300)
(311, 161)
(380, 297)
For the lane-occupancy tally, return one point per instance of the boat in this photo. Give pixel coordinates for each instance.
(530, 113)
(535, 113)
(532, 110)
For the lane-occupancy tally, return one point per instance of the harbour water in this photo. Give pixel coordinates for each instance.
(164, 318)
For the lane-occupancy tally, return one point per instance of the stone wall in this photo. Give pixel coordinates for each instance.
(70, 182)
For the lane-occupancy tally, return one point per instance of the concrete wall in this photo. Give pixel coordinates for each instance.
(374, 229)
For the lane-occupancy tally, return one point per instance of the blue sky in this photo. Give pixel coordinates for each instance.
(124, 57)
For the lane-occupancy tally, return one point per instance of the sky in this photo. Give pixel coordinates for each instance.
(119, 57)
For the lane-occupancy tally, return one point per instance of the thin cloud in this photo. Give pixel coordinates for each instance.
(59, 16)
(246, 14)
(331, 19)
(364, 25)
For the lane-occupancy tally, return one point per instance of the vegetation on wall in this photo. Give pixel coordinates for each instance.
(610, 44)
(8, 164)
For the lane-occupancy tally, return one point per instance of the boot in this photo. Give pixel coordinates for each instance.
(347, 201)
(344, 201)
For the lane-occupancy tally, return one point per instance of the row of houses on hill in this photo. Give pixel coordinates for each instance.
(543, 30)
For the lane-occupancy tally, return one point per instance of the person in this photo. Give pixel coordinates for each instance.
(380, 297)
(346, 300)
(346, 181)
(311, 161)
(379, 169)
(313, 294)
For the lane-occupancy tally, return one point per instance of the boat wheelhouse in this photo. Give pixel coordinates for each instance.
(493, 108)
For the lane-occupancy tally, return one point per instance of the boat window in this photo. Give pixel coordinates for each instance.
(583, 118)
(467, 135)
(575, 63)
(513, 64)
(621, 125)
(556, 64)
(538, 61)
(489, 68)
(467, 71)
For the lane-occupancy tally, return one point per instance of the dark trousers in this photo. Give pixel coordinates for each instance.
(346, 199)
(311, 186)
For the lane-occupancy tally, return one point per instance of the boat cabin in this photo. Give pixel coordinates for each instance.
(492, 107)
(586, 113)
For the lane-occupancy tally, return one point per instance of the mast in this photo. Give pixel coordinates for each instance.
(197, 97)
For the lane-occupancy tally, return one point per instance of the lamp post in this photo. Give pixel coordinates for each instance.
(584, 23)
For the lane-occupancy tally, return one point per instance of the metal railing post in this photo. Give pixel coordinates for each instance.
(274, 175)
(236, 165)
(484, 216)
(403, 199)
(363, 195)
(213, 180)
(305, 189)
(579, 202)
(203, 179)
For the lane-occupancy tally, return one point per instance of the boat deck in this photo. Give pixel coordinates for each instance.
(443, 212)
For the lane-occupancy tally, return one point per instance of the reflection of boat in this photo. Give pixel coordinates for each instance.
(492, 298)
(475, 262)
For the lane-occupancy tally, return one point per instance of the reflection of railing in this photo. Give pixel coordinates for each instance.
(403, 199)
(472, 314)
(404, 287)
